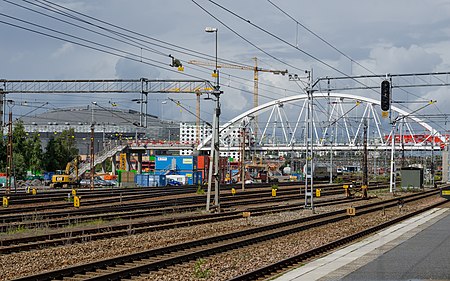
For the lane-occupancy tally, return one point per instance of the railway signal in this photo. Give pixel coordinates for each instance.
(385, 95)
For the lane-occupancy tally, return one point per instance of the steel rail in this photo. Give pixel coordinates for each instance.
(266, 272)
(91, 234)
(195, 199)
(123, 266)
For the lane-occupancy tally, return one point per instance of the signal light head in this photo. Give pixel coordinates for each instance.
(385, 95)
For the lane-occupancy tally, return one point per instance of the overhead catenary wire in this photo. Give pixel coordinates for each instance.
(331, 45)
(172, 47)
(109, 36)
(319, 37)
(245, 39)
(284, 41)
(161, 62)
(278, 38)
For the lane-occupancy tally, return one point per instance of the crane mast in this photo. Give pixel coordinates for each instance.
(255, 70)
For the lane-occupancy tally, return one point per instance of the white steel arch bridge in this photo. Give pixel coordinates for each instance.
(339, 121)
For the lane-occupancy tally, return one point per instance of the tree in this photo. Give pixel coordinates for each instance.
(60, 150)
(49, 160)
(66, 147)
(35, 161)
(20, 150)
(19, 138)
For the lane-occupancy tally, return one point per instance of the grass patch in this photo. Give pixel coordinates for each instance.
(200, 190)
(87, 223)
(16, 230)
(199, 271)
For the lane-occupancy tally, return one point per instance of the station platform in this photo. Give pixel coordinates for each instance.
(416, 249)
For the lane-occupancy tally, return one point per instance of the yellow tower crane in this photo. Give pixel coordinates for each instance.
(255, 70)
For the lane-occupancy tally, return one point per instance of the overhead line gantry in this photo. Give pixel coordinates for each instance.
(143, 86)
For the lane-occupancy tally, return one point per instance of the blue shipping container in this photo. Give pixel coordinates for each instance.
(197, 179)
(150, 180)
(186, 163)
(175, 163)
(162, 180)
(189, 176)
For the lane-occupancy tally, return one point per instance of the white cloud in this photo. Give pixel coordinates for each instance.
(65, 49)
(385, 36)
(390, 59)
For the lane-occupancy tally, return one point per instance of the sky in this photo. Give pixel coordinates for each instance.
(355, 38)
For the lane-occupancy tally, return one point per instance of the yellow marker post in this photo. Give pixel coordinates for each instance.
(34, 191)
(347, 193)
(351, 211)
(76, 201)
(274, 192)
(246, 214)
(74, 192)
(318, 192)
(364, 191)
(5, 202)
(233, 191)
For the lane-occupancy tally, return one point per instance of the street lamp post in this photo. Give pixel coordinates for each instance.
(216, 70)
(214, 155)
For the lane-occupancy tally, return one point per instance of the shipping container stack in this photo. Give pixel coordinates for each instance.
(185, 166)
(181, 170)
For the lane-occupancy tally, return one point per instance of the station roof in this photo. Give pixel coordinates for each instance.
(85, 115)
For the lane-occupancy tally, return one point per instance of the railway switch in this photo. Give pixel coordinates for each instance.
(5, 202)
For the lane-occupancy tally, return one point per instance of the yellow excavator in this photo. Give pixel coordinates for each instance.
(64, 178)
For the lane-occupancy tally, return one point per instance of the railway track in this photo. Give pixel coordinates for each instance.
(55, 196)
(69, 237)
(58, 199)
(266, 272)
(137, 210)
(138, 263)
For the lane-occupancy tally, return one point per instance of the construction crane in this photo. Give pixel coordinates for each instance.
(255, 70)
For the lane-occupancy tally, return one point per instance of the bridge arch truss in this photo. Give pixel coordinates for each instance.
(339, 121)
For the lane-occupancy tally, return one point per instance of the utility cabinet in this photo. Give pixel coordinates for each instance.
(412, 177)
